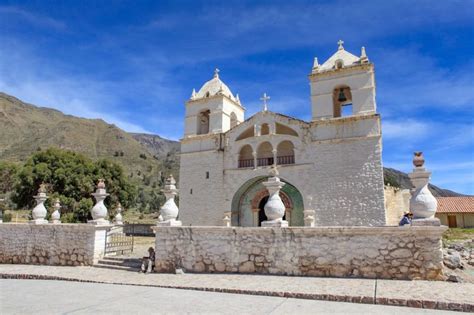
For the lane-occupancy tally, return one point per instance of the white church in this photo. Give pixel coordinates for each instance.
(331, 164)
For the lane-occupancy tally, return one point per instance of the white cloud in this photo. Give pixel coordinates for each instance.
(9, 13)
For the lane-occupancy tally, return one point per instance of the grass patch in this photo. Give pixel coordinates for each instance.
(455, 235)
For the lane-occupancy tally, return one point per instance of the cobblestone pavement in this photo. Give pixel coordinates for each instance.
(426, 294)
(96, 298)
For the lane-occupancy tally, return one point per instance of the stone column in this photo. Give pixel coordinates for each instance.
(56, 216)
(275, 156)
(39, 211)
(99, 211)
(422, 203)
(274, 208)
(254, 154)
(169, 211)
(118, 216)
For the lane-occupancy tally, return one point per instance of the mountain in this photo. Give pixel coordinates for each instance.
(399, 179)
(25, 128)
(156, 145)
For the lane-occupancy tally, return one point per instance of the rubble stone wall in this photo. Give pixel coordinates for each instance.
(367, 252)
(51, 244)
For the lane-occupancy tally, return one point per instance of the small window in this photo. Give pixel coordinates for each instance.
(346, 110)
(191, 191)
(207, 175)
(207, 94)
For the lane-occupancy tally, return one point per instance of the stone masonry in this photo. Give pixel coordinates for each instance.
(48, 244)
(366, 252)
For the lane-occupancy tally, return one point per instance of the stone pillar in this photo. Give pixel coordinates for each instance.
(56, 216)
(169, 211)
(39, 211)
(275, 156)
(254, 154)
(226, 220)
(118, 216)
(274, 208)
(99, 211)
(422, 203)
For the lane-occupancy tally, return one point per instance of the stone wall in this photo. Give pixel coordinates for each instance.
(51, 244)
(397, 201)
(367, 252)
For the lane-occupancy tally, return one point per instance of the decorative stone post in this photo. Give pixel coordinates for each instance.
(422, 203)
(39, 211)
(56, 216)
(226, 220)
(274, 208)
(118, 216)
(309, 214)
(99, 211)
(169, 211)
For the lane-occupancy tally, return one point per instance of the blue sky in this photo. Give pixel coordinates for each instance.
(134, 63)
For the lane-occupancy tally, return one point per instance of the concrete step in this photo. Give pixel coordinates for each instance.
(116, 267)
(134, 263)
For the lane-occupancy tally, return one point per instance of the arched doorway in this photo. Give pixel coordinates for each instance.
(250, 198)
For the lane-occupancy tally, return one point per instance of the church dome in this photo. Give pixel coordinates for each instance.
(213, 87)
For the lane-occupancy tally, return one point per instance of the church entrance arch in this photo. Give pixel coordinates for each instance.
(250, 198)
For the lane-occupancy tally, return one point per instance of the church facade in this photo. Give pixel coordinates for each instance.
(331, 164)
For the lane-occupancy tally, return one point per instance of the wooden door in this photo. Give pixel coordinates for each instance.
(452, 221)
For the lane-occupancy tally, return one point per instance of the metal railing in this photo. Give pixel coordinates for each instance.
(246, 163)
(116, 242)
(288, 159)
(264, 161)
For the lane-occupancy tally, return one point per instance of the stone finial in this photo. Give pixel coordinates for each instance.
(99, 211)
(274, 208)
(309, 219)
(339, 44)
(315, 65)
(39, 211)
(56, 215)
(363, 55)
(273, 172)
(216, 73)
(226, 220)
(265, 98)
(237, 98)
(418, 159)
(193, 94)
(118, 216)
(169, 211)
(422, 203)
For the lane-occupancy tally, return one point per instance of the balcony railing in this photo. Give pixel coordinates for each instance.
(289, 159)
(264, 161)
(246, 163)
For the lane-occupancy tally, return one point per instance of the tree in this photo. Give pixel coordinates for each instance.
(71, 177)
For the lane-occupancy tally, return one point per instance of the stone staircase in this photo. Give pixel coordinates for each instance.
(119, 263)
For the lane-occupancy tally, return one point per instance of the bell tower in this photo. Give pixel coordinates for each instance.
(344, 85)
(214, 109)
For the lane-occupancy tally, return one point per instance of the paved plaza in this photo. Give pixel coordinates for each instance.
(64, 297)
(391, 292)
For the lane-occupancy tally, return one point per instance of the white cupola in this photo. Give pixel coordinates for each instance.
(344, 85)
(213, 109)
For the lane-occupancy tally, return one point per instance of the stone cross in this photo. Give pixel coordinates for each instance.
(422, 203)
(265, 98)
(169, 211)
(118, 216)
(274, 208)
(39, 211)
(99, 211)
(216, 73)
(340, 43)
(56, 216)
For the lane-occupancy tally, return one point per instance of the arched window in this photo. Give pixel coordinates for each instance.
(265, 154)
(249, 132)
(285, 130)
(285, 153)
(203, 122)
(233, 120)
(246, 156)
(342, 101)
(264, 129)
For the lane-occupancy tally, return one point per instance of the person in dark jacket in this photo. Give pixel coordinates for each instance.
(148, 263)
(407, 217)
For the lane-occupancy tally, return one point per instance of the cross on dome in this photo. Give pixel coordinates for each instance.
(340, 43)
(265, 98)
(216, 73)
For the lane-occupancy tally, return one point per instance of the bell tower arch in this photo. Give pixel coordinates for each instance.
(344, 85)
